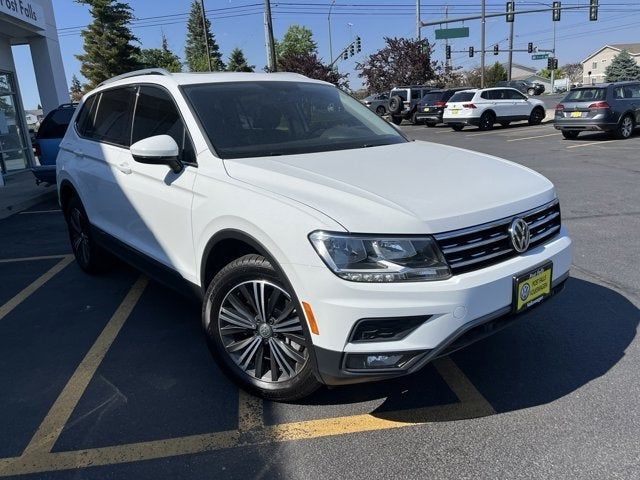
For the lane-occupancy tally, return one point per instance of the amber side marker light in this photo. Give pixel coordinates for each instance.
(310, 318)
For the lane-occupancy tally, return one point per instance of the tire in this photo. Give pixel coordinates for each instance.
(90, 257)
(243, 341)
(537, 116)
(531, 92)
(414, 120)
(395, 104)
(570, 134)
(380, 110)
(457, 128)
(430, 124)
(505, 124)
(396, 120)
(625, 128)
(486, 121)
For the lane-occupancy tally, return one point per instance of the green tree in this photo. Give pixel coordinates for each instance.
(546, 73)
(298, 40)
(238, 63)
(196, 47)
(75, 89)
(494, 74)
(622, 67)
(402, 61)
(160, 57)
(573, 71)
(108, 42)
(311, 66)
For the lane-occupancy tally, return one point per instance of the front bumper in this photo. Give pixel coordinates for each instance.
(451, 308)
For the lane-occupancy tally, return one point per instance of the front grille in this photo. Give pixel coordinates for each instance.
(487, 244)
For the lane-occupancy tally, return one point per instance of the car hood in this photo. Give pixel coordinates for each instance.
(413, 187)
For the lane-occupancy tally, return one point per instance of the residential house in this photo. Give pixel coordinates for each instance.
(594, 66)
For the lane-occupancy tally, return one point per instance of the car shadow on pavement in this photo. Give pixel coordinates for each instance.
(557, 349)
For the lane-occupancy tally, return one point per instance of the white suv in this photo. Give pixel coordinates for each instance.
(485, 107)
(326, 246)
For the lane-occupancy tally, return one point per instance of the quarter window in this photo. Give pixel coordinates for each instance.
(113, 118)
(156, 114)
(85, 121)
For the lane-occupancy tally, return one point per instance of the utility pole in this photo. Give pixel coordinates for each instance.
(206, 33)
(482, 43)
(447, 62)
(553, 70)
(271, 46)
(510, 48)
(418, 21)
(329, 21)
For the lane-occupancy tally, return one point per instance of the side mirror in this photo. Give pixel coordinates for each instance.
(158, 150)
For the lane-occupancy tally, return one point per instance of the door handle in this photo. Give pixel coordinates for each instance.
(78, 153)
(124, 168)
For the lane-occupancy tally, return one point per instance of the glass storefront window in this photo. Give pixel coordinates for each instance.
(13, 147)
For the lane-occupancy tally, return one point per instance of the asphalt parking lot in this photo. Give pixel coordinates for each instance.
(106, 377)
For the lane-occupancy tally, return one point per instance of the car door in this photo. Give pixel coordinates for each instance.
(632, 94)
(520, 105)
(160, 200)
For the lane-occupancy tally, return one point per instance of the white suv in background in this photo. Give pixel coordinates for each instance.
(485, 107)
(326, 247)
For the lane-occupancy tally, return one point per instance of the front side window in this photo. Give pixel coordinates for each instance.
(256, 119)
(157, 114)
(113, 118)
(514, 95)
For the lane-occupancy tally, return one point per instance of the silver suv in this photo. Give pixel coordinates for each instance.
(611, 107)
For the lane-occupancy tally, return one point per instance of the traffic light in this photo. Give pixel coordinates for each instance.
(352, 50)
(496, 49)
(556, 11)
(358, 45)
(549, 63)
(511, 7)
(593, 10)
(471, 51)
(530, 47)
(345, 55)
(555, 63)
(448, 52)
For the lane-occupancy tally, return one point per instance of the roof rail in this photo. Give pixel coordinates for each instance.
(136, 73)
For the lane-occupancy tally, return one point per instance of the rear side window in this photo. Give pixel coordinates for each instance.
(462, 97)
(626, 92)
(401, 93)
(416, 94)
(113, 118)
(84, 121)
(157, 114)
(55, 123)
(586, 95)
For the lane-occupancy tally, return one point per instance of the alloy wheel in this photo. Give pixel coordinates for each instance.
(627, 127)
(79, 236)
(261, 331)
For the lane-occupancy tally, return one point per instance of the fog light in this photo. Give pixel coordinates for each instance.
(379, 361)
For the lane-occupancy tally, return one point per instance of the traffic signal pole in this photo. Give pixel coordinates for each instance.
(482, 42)
(510, 51)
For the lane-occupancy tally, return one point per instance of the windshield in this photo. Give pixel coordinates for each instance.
(585, 95)
(462, 97)
(432, 97)
(255, 119)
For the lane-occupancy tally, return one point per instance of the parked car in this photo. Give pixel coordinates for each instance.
(431, 107)
(485, 107)
(609, 107)
(524, 86)
(47, 141)
(377, 103)
(326, 246)
(403, 102)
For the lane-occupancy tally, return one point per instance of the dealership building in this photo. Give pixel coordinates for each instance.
(27, 22)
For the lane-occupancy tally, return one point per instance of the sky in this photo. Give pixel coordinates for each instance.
(239, 23)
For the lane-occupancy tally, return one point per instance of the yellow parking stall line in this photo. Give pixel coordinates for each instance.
(250, 412)
(51, 427)
(584, 144)
(35, 285)
(530, 138)
(31, 259)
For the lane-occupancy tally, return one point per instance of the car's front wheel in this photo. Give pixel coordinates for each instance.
(396, 120)
(537, 116)
(531, 92)
(381, 110)
(255, 332)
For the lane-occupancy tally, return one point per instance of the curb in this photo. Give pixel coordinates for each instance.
(23, 205)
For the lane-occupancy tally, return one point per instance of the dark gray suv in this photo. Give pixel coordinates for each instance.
(611, 107)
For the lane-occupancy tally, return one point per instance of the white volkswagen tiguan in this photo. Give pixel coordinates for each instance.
(326, 247)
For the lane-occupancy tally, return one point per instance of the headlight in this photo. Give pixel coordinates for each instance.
(361, 258)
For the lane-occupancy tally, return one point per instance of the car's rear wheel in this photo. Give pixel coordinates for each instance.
(457, 128)
(486, 121)
(625, 128)
(537, 115)
(570, 134)
(90, 257)
(255, 331)
(396, 120)
(381, 110)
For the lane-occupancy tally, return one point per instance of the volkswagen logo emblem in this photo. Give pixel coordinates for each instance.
(520, 235)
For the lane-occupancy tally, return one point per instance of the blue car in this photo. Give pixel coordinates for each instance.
(47, 141)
